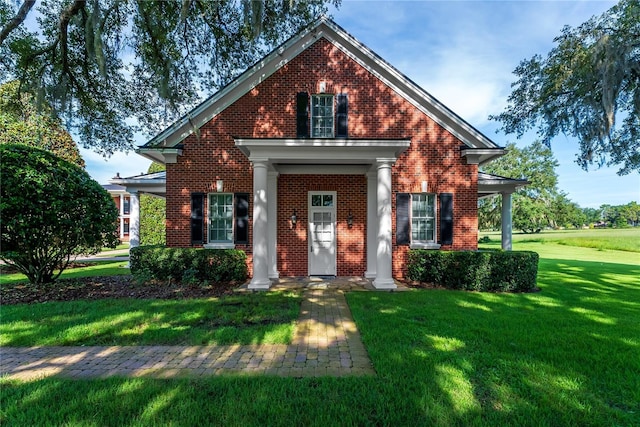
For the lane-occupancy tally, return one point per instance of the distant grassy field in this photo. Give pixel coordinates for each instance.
(618, 239)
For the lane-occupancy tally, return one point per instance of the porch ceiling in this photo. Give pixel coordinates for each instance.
(322, 151)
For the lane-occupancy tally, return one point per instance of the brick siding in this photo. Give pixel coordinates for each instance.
(375, 111)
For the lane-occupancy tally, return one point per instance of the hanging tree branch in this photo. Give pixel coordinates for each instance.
(16, 20)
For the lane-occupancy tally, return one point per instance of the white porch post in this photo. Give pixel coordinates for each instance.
(272, 211)
(372, 224)
(384, 280)
(134, 219)
(260, 278)
(506, 221)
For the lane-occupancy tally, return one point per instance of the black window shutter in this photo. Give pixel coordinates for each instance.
(403, 228)
(341, 116)
(446, 218)
(197, 218)
(242, 218)
(302, 118)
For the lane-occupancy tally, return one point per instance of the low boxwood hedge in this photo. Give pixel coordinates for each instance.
(187, 265)
(494, 271)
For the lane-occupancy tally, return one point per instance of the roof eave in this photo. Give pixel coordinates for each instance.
(159, 154)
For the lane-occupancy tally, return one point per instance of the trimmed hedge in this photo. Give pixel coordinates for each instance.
(187, 265)
(494, 271)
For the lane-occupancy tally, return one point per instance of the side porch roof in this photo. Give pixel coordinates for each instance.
(490, 184)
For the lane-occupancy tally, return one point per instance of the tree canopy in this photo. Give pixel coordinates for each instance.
(22, 123)
(103, 65)
(51, 210)
(587, 87)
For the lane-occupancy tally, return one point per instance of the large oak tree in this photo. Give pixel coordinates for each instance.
(107, 66)
(22, 123)
(587, 87)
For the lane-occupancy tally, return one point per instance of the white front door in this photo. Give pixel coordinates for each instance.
(322, 233)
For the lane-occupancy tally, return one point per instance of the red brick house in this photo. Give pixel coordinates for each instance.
(122, 200)
(323, 159)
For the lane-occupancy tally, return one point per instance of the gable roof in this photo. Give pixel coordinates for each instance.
(168, 142)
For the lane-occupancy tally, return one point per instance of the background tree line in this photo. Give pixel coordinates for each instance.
(542, 204)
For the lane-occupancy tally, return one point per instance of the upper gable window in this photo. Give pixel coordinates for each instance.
(322, 116)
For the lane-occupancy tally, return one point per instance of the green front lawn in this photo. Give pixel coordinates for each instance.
(568, 355)
(267, 318)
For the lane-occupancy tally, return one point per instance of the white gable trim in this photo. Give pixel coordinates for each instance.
(323, 28)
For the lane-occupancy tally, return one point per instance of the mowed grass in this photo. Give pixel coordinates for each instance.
(246, 319)
(617, 239)
(568, 355)
(94, 269)
(565, 356)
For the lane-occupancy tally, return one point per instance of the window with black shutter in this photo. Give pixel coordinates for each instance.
(403, 236)
(446, 218)
(416, 220)
(302, 118)
(341, 116)
(197, 218)
(242, 218)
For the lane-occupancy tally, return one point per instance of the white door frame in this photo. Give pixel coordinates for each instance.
(332, 270)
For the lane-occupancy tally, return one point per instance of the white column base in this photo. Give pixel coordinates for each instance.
(259, 285)
(384, 284)
(370, 274)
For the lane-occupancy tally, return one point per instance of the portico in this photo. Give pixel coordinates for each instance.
(273, 157)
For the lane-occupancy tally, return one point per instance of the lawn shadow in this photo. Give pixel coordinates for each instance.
(246, 319)
(567, 355)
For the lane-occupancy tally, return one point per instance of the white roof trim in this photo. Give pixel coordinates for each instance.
(322, 151)
(279, 57)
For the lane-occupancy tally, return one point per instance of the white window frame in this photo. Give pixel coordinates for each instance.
(325, 129)
(428, 243)
(220, 244)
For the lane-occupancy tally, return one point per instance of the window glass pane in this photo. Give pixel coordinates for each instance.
(423, 217)
(327, 200)
(316, 200)
(322, 116)
(221, 218)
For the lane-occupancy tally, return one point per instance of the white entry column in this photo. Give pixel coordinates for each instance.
(506, 222)
(384, 279)
(260, 278)
(134, 219)
(272, 211)
(372, 224)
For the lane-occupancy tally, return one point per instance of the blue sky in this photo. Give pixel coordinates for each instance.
(463, 53)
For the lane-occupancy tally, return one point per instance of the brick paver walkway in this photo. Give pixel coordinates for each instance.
(326, 342)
